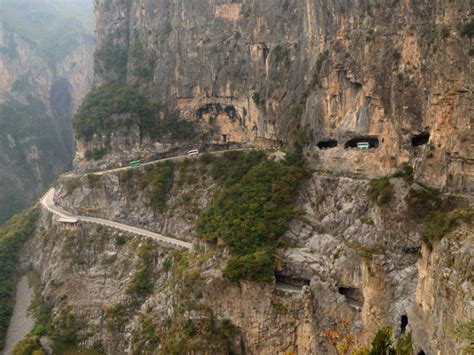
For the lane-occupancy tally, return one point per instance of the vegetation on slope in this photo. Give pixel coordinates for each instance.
(12, 236)
(112, 106)
(252, 213)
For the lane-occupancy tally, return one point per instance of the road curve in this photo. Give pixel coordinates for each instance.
(47, 201)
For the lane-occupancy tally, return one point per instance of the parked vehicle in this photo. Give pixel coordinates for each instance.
(135, 163)
(363, 145)
(193, 152)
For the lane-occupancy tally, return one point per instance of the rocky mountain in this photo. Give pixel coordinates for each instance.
(43, 78)
(340, 218)
(315, 74)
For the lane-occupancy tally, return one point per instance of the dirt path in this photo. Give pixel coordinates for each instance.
(21, 322)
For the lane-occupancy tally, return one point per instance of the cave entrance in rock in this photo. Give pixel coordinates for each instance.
(403, 324)
(421, 352)
(224, 138)
(420, 139)
(362, 143)
(327, 144)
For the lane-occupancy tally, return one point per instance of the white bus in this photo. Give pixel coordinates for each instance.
(193, 152)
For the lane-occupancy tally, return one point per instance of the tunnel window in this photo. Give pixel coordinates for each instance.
(420, 139)
(291, 280)
(362, 143)
(328, 144)
(403, 324)
(224, 138)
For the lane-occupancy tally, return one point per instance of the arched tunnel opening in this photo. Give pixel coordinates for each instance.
(420, 139)
(352, 295)
(421, 352)
(327, 144)
(403, 324)
(362, 143)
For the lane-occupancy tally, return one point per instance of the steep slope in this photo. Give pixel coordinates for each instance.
(43, 80)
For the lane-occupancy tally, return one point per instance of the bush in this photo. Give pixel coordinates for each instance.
(423, 202)
(405, 172)
(253, 212)
(382, 343)
(96, 111)
(12, 236)
(441, 224)
(30, 345)
(161, 182)
(96, 154)
(381, 191)
(142, 284)
(468, 29)
(98, 115)
(233, 165)
(257, 266)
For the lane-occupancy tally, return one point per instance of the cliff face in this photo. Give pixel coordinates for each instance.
(37, 101)
(360, 262)
(321, 75)
(391, 73)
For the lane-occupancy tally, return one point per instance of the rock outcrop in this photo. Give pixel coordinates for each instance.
(307, 72)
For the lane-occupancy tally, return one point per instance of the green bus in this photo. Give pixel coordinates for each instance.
(135, 163)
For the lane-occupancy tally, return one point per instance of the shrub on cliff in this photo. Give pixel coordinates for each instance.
(12, 236)
(98, 114)
(381, 191)
(252, 213)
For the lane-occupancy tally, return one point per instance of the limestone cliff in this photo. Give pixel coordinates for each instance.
(37, 101)
(323, 75)
(357, 262)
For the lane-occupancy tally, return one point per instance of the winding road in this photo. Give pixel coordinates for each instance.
(48, 203)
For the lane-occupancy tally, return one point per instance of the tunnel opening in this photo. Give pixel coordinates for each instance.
(421, 352)
(224, 138)
(420, 139)
(403, 324)
(362, 143)
(327, 144)
(291, 280)
(265, 53)
(353, 296)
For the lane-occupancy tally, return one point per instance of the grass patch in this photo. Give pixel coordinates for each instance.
(381, 191)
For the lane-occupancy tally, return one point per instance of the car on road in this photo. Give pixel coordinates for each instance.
(193, 152)
(135, 163)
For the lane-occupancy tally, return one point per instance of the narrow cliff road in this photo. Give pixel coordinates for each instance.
(48, 202)
(176, 158)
